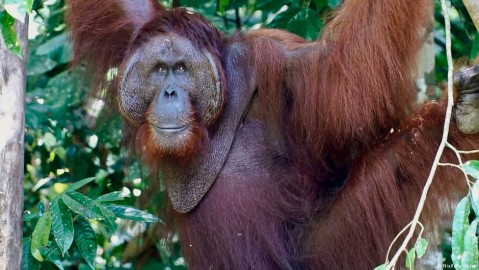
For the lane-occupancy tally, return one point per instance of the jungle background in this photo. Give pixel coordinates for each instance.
(72, 138)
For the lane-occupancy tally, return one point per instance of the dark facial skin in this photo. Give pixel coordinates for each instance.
(172, 90)
(466, 114)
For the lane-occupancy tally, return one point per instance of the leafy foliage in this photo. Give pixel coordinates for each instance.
(465, 249)
(9, 11)
(66, 221)
(72, 224)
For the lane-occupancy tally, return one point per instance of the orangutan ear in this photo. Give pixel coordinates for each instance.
(101, 31)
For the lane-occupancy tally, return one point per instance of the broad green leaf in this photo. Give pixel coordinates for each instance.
(411, 256)
(109, 218)
(471, 167)
(53, 255)
(90, 209)
(421, 247)
(381, 267)
(62, 226)
(113, 196)
(9, 34)
(40, 235)
(57, 263)
(460, 225)
(470, 256)
(28, 262)
(79, 184)
(475, 197)
(125, 212)
(85, 240)
(18, 8)
(82, 205)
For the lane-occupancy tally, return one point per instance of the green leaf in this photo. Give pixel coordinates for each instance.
(460, 225)
(475, 197)
(125, 212)
(270, 6)
(55, 47)
(471, 167)
(421, 247)
(62, 226)
(85, 240)
(28, 262)
(381, 267)
(29, 5)
(90, 209)
(470, 256)
(79, 184)
(40, 207)
(320, 4)
(411, 256)
(113, 196)
(18, 8)
(54, 255)
(475, 47)
(109, 218)
(223, 5)
(40, 235)
(9, 34)
(82, 205)
(302, 21)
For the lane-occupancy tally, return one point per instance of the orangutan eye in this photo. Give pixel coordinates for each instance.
(161, 68)
(180, 68)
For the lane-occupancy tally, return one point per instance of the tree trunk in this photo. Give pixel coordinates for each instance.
(12, 125)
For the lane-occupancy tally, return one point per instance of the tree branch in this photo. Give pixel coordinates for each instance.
(450, 102)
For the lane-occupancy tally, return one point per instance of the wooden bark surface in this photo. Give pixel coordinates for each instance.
(12, 125)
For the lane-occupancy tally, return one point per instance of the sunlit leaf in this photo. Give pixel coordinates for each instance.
(459, 227)
(125, 212)
(421, 247)
(471, 167)
(9, 34)
(113, 196)
(410, 258)
(60, 187)
(40, 235)
(470, 256)
(28, 261)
